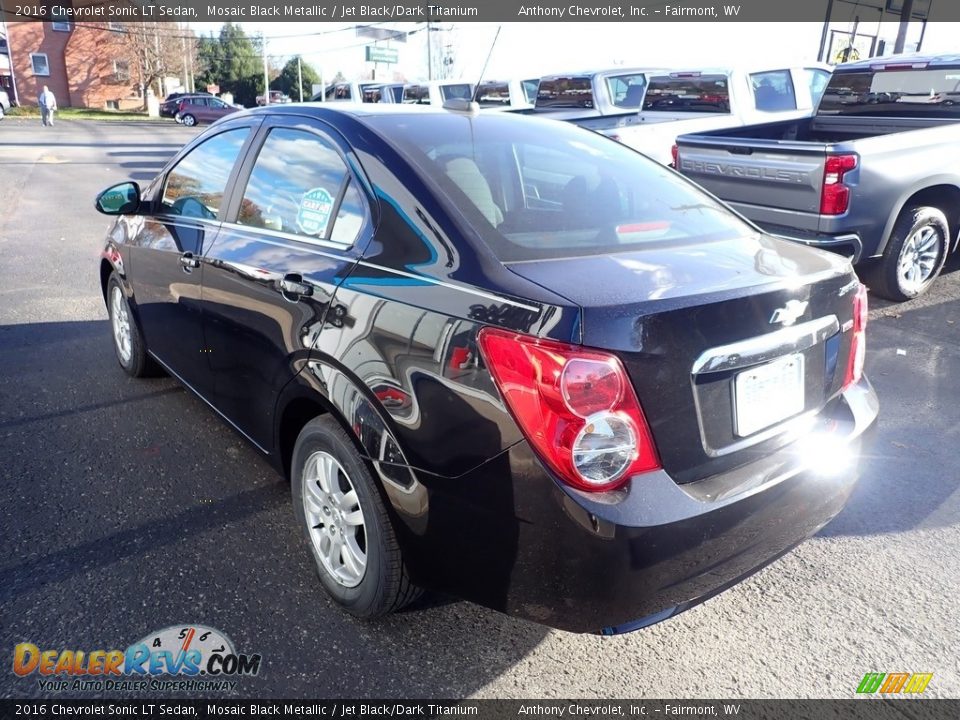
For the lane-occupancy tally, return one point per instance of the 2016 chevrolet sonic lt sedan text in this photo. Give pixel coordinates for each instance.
(497, 356)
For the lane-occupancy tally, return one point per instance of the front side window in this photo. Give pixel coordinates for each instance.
(817, 80)
(537, 189)
(196, 184)
(41, 66)
(461, 91)
(773, 91)
(688, 92)
(626, 91)
(493, 94)
(300, 185)
(416, 95)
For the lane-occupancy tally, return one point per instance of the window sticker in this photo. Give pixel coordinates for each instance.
(314, 213)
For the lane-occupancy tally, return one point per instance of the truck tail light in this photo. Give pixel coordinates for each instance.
(675, 154)
(575, 406)
(858, 345)
(835, 195)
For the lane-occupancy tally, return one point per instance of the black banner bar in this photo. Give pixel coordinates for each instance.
(349, 11)
(860, 709)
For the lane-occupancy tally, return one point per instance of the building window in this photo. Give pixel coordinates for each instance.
(41, 66)
(121, 70)
(115, 26)
(61, 21)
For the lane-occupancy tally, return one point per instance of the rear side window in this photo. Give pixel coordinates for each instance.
(817, 80)
(895, 92)
(565, 92)
(338, 92)
(530, 88)
(461, 91)
(538, 189)
(688, 92)
(297, 186)
(773, 91)
(626, 91)
(195, 185)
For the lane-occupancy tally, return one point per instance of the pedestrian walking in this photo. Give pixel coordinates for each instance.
(48, 105)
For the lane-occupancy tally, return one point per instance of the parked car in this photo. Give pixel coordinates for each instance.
(594, 99)
(507, 94)
(348, 92)
(4, 103)
(195, 109)
(276, 97)
(436, 92)
(704, 99)
(591, 398)
(171, 103)
(875, 174)
(386, 93)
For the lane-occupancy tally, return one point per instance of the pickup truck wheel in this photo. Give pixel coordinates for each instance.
(345, 523)
(915, 254)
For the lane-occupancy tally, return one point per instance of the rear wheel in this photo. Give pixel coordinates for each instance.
(188, 120)
(915, 254)
(345, 523)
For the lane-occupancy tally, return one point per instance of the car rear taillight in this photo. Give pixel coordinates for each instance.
(575, 406)
(858, 345)
(835, 196)
(674, 153)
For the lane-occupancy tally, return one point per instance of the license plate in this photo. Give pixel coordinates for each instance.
(767, 394)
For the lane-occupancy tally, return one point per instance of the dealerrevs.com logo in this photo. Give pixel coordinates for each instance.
(182, 657)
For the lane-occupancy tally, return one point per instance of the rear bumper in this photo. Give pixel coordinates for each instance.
(848, 244)
(621, 561)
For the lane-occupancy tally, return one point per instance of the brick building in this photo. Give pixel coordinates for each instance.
(82, 63)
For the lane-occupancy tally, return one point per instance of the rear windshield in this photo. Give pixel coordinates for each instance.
(536, 189)
(416, 94)
(493, 94)
(566, 92)
(902, 93)
(688, 93)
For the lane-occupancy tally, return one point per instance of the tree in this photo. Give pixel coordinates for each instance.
(286, 82)
(232, 61)
(156, 50)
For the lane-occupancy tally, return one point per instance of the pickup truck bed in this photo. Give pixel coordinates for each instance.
(876, 180)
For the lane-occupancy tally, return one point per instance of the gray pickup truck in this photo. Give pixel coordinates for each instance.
(875, 173)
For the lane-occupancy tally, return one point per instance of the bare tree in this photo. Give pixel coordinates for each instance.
(158, 50)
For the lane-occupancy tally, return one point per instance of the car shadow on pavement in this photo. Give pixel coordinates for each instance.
(128, 506)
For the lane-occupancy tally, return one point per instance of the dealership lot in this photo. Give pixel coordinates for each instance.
(127, 506)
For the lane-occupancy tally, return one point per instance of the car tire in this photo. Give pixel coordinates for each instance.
(914, 255)
(188, 120)
(128, 341)
(345, 523)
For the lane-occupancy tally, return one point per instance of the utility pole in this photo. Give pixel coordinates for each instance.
(429, 51)
(183, 52)
(823, 35)
(266, 73)
(905, 14)
(300, 78)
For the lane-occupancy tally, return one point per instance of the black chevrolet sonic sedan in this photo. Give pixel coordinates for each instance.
(497, 356)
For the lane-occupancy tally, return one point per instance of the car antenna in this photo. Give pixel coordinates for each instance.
(476, 88)
(471, 106)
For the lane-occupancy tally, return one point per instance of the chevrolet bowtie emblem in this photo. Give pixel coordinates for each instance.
(789, 313)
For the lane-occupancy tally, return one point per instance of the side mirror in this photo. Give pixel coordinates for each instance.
(122, 199)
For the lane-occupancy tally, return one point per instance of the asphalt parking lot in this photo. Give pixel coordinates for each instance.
(127, 506)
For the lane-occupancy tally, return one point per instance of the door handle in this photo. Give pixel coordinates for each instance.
(189, 261)
(293, 287)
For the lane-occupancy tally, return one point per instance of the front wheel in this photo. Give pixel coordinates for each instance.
(345, 523)
(127, 338)
(188, 120)
(914, 255)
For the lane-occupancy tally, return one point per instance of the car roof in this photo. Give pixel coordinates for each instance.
(605, 72)
(911, 58)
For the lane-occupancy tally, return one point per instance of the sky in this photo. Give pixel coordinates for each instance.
(533, 49)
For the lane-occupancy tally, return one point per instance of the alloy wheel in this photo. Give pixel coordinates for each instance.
(918, 259)
(334, 519)
(120, 319)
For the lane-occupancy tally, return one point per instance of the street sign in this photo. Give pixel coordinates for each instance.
(381, 54)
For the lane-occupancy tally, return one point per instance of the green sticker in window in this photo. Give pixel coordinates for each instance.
(314, 213)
